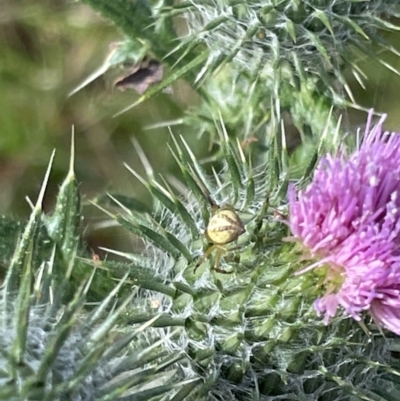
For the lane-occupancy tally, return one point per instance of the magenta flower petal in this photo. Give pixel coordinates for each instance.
(348, 220)
(388, 315)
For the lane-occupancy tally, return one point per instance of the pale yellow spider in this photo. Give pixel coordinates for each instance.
(223, 228)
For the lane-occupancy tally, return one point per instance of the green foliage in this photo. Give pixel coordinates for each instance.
(290, 55)
(54, 346)
(199, 333)
(9, 232)
(186, 317)
(248, 328)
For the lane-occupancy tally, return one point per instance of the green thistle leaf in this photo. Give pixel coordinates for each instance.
(58, 348)
(63, 226)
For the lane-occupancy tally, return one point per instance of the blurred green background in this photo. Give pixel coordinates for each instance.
(47, 49)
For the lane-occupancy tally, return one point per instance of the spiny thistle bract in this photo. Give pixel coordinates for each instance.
(295, 52)
(55, 347)
(251, 334)
(311, 37)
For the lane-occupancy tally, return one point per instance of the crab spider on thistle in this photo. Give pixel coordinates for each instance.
(224, 227)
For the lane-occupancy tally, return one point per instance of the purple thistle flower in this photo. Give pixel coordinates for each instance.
(348, 221)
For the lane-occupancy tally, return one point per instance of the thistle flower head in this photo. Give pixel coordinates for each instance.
(348, 220)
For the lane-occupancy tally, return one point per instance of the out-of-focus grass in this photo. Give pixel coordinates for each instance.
(48, 48)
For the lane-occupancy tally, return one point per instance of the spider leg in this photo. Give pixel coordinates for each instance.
(220, 252)
(206, 254)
